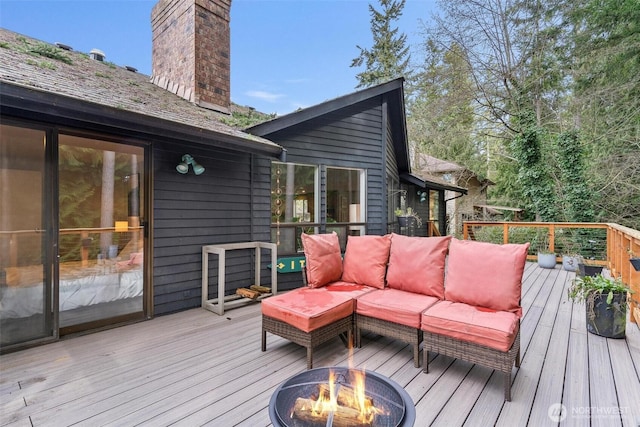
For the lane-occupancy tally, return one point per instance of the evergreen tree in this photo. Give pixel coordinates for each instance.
(389, 56)
(606, 108)
(440, 115)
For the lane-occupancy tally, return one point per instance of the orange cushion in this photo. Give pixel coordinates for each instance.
(495, 329)
(307, 308)
(485, 274)
(323, 259)
(394, 305)
(416, 264)
(365, 260)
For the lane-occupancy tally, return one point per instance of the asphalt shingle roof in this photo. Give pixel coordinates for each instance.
(23, 62)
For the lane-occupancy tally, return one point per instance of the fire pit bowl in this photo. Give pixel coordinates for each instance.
(394, 403)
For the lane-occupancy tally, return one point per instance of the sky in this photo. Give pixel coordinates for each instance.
(285, 54)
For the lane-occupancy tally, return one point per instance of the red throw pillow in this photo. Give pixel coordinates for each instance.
(323, 259)
(486, 274)
(365, 260)
(416, 264)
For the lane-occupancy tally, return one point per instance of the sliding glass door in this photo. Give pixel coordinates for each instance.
(101, 249)
(71, 233)
(26, 255)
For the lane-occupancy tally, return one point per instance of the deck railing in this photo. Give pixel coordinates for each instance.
(610, 245)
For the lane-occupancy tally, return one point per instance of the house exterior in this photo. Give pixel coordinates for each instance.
(347, 170)
(459, 209)
(97, 227)
(112, 182)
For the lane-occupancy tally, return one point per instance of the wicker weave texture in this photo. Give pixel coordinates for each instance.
(394, 330)
(475, 353)
(306, 339)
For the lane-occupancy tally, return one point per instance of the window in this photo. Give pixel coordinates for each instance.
(346, 201)
(293, 201)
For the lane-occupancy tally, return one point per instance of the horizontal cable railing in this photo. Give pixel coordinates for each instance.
(606, 244)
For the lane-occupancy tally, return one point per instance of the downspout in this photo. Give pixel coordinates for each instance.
(453, 198)
(449, 199)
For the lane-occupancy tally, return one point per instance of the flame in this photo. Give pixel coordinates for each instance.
(327, 402)
(348, 399)
(359, 399)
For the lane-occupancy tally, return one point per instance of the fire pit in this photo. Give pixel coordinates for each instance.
(340, 396)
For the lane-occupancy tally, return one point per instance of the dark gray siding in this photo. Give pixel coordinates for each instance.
(351, 137)
(229, 202)
(392, 177)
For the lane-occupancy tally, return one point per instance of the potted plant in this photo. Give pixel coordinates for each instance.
(546, 258)
(569, 250)
(406, 216)
(589, 269)
(606, 304)
(570, 261)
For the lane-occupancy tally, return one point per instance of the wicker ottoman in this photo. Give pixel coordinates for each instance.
(307, 317)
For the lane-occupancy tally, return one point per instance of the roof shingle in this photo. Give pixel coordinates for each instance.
(103, 83)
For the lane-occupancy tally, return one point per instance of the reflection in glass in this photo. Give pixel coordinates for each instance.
(101, 241)
(293, 200)
(345, 198)
(25, 289)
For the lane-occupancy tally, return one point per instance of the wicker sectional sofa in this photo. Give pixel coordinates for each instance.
(462, 298)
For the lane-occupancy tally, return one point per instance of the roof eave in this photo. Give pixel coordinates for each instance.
(20, 101)
(309, 113)
(425, 183)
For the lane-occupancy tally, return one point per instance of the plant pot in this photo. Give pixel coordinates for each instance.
(589, 270)
(635, 262)
(570, 263)
(607, 320)
(546, 260)
(404, 221)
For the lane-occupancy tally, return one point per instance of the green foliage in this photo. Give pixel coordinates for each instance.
(389, 56)
(409, 212)
(571, 65)
(578, 199)
(440, 118)
(533, 172)
(242, 118)
(43, 49)
(607, 101)
(585, 287)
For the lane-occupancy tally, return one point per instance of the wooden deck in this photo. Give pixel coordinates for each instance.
(195, 368)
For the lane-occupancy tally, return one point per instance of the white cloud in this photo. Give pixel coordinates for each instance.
(297, 81)
(265, 96)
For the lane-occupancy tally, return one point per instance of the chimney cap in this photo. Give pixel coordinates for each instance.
(97, 54)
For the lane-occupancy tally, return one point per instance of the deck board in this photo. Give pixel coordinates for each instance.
(550, 388)
(198, 368)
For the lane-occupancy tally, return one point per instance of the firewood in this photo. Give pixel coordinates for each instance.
(247, 293)
(261, 289)
(345, 395)
(342, 416)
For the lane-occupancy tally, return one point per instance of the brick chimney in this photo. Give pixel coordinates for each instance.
(191, 44)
